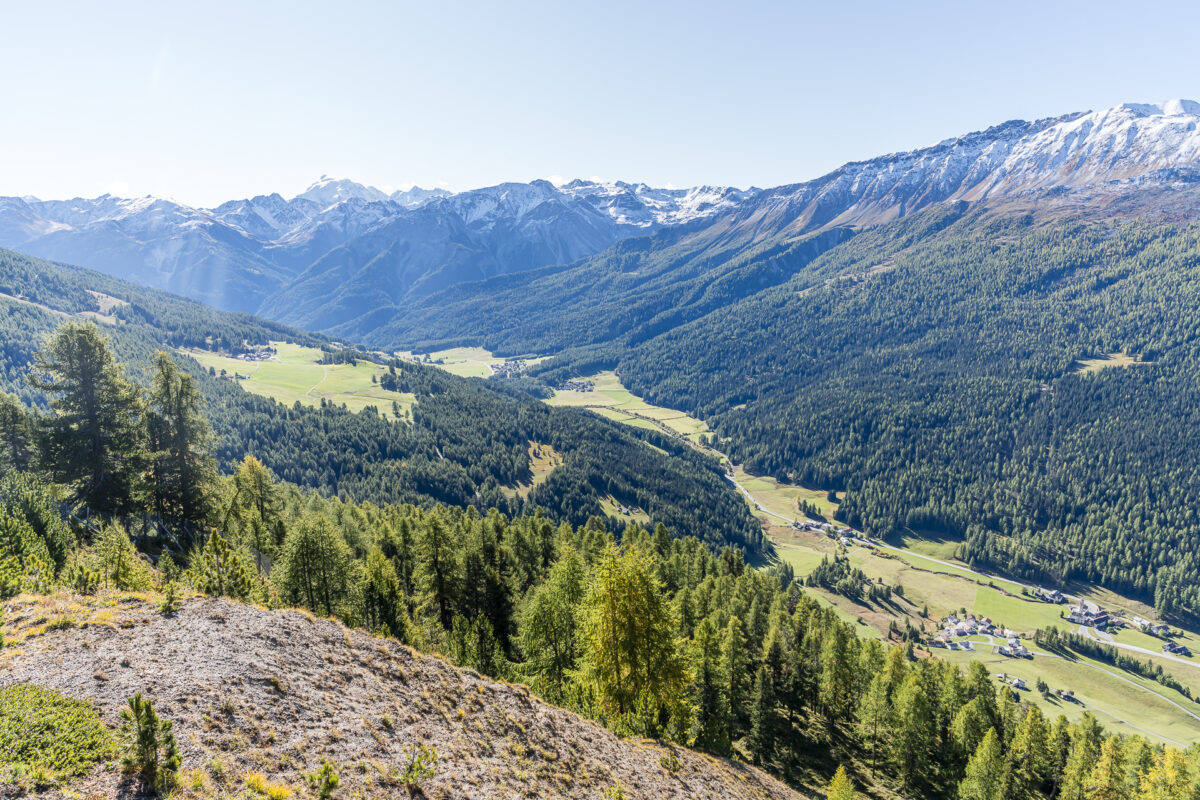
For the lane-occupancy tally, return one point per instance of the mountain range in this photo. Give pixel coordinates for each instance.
(353, 260)
(340, 249)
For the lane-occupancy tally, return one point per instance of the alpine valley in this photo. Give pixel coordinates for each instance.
(883, 484)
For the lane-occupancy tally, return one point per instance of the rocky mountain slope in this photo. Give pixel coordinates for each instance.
(251, 690)
(1133, 160)
(290, 258)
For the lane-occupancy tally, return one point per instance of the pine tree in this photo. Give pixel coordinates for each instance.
(182, 470)
(253, 510)
(384, 607)
(314, 566)
(914, 730)
(710, 730)
(1085, 749)
(150, 748)
(875, 718)
(984, 778)
(217, 569)
(1028, 755)
(94, 442)
(841, 787)
(735, 665)
(548, 622)
(438, 570)
(763, 718)
(16, 434)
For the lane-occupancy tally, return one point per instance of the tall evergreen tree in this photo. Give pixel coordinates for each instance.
(548, 623)
(182, 468)
(629, 651)
(16, 434)
(95, 441)
(711, 729)
(314, 565)
(764, 722)
(984, 778)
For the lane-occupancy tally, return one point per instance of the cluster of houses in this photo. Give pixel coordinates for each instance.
(257, 354)
(1089, 614)
(575, 386)
(954, 628)
(513, 368)
(1155, 628)
(1176, 648)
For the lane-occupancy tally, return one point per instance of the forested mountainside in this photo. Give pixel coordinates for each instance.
(650, 636)
(1031, 389)
(464, 442)
(1012, 366)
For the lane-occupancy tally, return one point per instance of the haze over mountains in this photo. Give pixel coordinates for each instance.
(355, 261)
(286, 257)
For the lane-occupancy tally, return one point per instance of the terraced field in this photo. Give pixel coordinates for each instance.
(294, 374)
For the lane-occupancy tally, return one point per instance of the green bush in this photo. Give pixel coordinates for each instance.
(324, 781)
(41, 729)
(422, 765)
(150, 749)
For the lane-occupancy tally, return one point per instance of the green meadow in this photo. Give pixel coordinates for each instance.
(294, 375)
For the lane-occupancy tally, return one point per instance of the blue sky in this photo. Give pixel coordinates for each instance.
(209, 101)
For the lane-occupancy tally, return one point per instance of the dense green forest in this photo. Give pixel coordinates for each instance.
(939, 382)
(649, 634)
(1029, 388)
(464, 442)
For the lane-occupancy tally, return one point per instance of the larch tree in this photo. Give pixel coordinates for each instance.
(547, 622)
(630, 655)
(984, 778)
(94, 442)
(841, 787)
(183, 472)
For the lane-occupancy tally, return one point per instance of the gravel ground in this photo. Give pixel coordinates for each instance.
(251, 690)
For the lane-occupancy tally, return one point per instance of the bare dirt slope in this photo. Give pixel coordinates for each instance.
(252, 690)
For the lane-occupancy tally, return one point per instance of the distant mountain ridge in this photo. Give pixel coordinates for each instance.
(291, 257)
(356, 261)
(1132, 160)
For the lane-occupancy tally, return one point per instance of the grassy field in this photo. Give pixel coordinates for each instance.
(543, 459)
(782, 498)
(612, 400)
(613, 509)
(1125, 704)
(466, 362)
(1090, 366)
(294, 375)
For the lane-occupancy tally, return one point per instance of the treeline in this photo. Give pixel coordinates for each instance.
(1067, 643)
(464, 444)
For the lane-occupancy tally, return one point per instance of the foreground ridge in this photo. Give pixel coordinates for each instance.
(276, 692)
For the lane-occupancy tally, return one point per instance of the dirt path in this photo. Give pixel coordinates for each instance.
(324, 376)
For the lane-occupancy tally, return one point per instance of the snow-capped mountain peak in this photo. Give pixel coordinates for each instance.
(330, 191)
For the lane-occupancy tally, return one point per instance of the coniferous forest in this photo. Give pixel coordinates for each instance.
(463, 443)
(1025, 386)
(650, 634)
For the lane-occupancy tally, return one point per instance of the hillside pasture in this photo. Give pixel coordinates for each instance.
(294, 375)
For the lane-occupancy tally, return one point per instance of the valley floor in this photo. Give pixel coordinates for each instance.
(935, 585)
